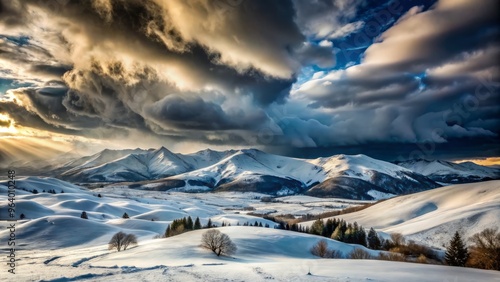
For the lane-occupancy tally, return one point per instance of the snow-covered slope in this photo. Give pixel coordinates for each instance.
(263, 254)
(55, 244)
(132, 167)
(433, 216)
(449, 172)
(98, 159)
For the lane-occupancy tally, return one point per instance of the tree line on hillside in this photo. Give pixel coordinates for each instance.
(35, 191)
(185, 224)
(484, 253)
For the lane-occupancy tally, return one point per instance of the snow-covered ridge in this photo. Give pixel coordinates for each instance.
(450, 172)
(431, 216)
(247, 170)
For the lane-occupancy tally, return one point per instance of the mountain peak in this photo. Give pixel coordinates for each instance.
(162, 149)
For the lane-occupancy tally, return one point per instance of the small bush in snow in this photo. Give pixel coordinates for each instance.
(391, 257)
(84, 215)
(422, 258)
(398, 239)
(321, 249)
(218, 242)
(359, 254)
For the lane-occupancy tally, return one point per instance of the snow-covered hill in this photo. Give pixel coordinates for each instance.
(353, 177)
(433, 216)
(263, 255)
(448, 172)
(55, 244)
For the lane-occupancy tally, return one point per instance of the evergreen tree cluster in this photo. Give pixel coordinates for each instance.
(256, 224)
(337, 229)
(184, 224)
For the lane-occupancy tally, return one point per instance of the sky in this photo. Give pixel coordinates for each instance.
(394, 80)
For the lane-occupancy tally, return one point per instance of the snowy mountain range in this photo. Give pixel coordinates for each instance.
(448, 172)
(250, 170)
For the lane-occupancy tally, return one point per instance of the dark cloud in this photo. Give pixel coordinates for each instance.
(257, 73)
(194, 113)
(5, 123)
(454, 149)
(44, 107)
(50, 70)
(12, 13)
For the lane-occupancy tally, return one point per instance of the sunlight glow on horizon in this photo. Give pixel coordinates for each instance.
(486, 162)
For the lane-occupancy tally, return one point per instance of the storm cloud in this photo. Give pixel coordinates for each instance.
(256, 73)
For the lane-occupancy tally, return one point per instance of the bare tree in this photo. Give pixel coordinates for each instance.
(485, 253)
(122, 240)
(130, 240)
(218, 242)
(116, 241)
(320, 249)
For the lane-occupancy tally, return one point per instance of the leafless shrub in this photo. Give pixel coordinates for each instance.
(398, 239)
(320, 249)
(391, 257)
(422, 259)
(359, 254)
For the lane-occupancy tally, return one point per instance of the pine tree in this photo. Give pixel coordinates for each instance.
(317, 227)
(168, 231)
(197, 224)
(456, 253)
(329, 228)
(374, 242)
(260, 224)
(189, 225)
(349, 235)
(84, 215)
(125, 215)
(22, 216)
(209, 223)
(337, 234)
(361, 236)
